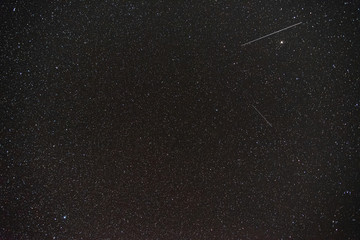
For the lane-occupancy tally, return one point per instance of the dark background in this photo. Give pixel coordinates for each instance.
(137, 120)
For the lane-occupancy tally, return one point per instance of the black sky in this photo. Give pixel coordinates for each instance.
(138, 120)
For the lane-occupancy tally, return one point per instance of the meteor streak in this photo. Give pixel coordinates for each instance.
(268, 35)
(262, 115)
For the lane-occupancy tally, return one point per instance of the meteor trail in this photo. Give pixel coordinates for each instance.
(268, 35)
(262, 115)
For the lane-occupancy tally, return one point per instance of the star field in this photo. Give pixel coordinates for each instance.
(155, 120)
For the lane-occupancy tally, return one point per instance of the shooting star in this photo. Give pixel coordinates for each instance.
(268, 35)
(262, 115)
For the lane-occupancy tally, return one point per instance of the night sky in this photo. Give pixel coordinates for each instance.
(153, 120)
